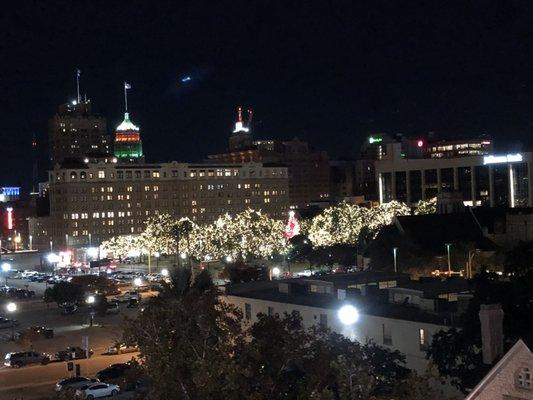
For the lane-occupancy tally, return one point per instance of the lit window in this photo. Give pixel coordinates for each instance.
(422, 339)
(101, 174)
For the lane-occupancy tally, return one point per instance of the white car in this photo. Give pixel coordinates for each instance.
(98, 390)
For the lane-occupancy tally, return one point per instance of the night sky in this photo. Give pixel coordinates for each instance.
(329, 72)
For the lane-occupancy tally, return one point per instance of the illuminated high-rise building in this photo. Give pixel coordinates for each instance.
(76, 131)
(128, 145)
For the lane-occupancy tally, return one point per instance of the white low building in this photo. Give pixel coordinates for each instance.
(394, 326)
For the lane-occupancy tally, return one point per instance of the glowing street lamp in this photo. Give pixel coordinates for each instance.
(164, 272)
(229, 259)
(137, 282)
(348, 314)
(276, 272)
(90, 300)
(183, 256)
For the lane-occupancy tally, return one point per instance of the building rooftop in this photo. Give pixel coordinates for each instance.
(370, 304)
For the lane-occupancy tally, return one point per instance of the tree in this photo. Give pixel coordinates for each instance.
(187, 342)
(64, 292)
(181, 231)
(426, 207)
(518, 261)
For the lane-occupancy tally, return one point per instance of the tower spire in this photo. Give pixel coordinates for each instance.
(239, 125)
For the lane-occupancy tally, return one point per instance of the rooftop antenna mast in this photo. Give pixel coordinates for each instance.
(78, 73)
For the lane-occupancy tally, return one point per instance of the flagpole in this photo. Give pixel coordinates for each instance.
(78, 72)
(125, 97)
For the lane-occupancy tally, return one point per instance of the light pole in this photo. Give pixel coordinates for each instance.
(90, 300)
(31, 242)
(51, 246)
(394, 251)
(90, 240)
(448, 245)
(11, 308)
(6, 267)
(66, 239)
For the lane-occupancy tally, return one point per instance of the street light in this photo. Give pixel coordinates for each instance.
(348, 314)
(229, 259)
(164, 272)
(448, 245)
(137, 282)
(90, 301)
(31, 242)
(394, 252)
(11, 308)
(276, 272)
(183, 256)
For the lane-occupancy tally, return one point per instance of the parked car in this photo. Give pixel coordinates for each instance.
(72, 353)
(114, 371)
(76, 382)
(121, 348)
(22, 358)
(112, 308)
(68, 308)
(7, 323)
(36, 332)
(98, 389)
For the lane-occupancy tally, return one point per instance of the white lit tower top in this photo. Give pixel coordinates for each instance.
(241, 137)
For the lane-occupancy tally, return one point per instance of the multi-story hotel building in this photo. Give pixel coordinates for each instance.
(481, 180)
(93, 201)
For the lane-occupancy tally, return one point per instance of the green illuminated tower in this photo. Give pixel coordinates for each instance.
(128, 145)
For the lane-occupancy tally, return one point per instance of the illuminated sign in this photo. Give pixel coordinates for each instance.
(11, 190)
(9, 217)
(372, 139)
(502, 159)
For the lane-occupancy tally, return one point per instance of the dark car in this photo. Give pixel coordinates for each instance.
(72, 353)
(21, 358)
(68, 308)
(114, 371)
(36, 332)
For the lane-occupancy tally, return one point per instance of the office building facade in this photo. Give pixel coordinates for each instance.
(76, 131)
(482, 180)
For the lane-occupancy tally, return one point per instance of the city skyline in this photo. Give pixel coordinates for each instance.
(367, 70)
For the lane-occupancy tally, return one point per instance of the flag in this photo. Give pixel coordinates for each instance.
(127, 85)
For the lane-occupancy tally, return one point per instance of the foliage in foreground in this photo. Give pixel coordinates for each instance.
(193, 347)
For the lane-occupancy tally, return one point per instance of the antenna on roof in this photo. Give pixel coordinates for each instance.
(126, 87)
(78, 73)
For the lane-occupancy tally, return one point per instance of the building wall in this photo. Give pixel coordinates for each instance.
(502, 382)
(105, 200)
(405, 335)
(479, 183)
(74, 131)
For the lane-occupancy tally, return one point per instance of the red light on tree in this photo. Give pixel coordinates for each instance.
(420, 143)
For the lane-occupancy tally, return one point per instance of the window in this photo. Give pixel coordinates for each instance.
(422, 339)
(387, 335)
(101, 174)
(248, 311)
(324, 320)
(524, 379)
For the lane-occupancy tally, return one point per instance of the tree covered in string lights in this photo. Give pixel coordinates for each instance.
(426, 207)
(344, 223)
(122, 246)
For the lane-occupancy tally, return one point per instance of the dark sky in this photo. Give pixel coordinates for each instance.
(329, 72)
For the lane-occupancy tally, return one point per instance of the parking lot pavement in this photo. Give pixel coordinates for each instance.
(39, 380)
